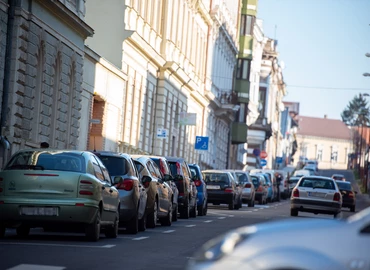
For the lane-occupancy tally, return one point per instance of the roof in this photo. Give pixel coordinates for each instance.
(323, 127)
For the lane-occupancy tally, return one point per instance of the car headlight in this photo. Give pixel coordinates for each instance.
(223, 245)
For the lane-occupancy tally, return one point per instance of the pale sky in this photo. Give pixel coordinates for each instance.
(323, 45)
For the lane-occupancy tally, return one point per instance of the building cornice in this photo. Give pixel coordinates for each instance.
(300, 136)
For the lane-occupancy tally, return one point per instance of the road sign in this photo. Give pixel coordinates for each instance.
(263, 154)
(162, 133)
(256, 152)
(201, 143)
(279, 160)
(263, 162)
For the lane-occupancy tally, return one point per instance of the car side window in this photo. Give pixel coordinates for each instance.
(151, 169)
(105, 171)
(97, 170)
(156, 169)
(185, 170)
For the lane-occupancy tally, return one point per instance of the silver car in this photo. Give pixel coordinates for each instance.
(245, 181)
(317, 244)
(316, 194)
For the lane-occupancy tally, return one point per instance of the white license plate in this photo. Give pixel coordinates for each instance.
(213, 187)
(316, 194)
(39, 211)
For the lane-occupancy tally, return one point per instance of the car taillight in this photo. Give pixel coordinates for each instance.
(228, 190)
(126, 184)
(296, 193)
(181, 193)
(86, 187)
(350, 194)
(336, 197)
(146, 184)
(248, 185)
(198, 183)
(285, 183)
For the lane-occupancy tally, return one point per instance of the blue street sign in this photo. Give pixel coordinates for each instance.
(263, 162)
(201, 143)
(279, 160)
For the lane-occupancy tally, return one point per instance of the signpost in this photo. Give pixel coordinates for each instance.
(263, 154)
(279, 160)
(201, 143)
(263, 162)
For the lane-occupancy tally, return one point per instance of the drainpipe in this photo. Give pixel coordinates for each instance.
(4, 143)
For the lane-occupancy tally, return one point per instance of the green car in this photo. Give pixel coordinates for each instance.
(52, 188)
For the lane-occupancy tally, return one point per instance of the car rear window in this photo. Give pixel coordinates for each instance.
(255, 181)
(337, 177)
(175, 168)
(242, 177)
(344, 185)
(317, 183)
(115, 165)
(211, 178)
(194, 171)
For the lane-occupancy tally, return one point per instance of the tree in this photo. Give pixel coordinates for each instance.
(357, 112)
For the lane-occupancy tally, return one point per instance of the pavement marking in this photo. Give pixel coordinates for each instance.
(219, 214)
(261, 206)
(55, 245)
(248, 211)
(140, 238)
(255, 210)
(36, 267)
(208, 221)
(190, 226)
(169, 231)
(221, 217)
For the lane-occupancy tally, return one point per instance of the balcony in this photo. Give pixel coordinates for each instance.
(242, 90)
(239, 133)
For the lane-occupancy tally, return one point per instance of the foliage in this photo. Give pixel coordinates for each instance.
(357, 112)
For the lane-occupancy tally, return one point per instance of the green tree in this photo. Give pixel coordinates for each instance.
(357, 112)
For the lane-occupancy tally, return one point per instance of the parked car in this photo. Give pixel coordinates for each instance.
(160, 195)
(196, 174)
(271, 175)
(339, 177)
(270, 190)
(316, 194)
(348, 195)
(260, 185)
(300, 173)
(290, 244)
(132, 193)
(223, 189)
(283, 187)
(50, 188)
(248, 191)
(292, 183)
(312, 169)
(187, 200)
(164, 167)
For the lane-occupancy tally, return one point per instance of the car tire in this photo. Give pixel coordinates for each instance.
(205, 209)
(92, 232)
(151, 221)
(193, 211)
(185, 211)
(132, 226)
(112, 231)
(201, 208)
(23, 231)
(231, 205)
(353, 208)
(250, 203)
(175, 213)
(167, 221)
(142, 223)
(2, 230)
(294, 212)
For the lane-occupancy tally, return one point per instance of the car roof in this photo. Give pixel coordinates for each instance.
(318, 177)
(80, 152)
(175, 159)
(337, 174)
(110, 154)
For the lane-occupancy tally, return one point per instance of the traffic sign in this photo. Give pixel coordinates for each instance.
(162, 133)
(201, 143)
(263, 162)
(279, 160)
(256, 152)
(263, 154)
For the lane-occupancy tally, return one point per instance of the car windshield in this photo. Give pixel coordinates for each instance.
(216, 178)
(115, 165)
(317, 183)
(242, 177)
(344, 185)
(175, 168)
(59, 161)
(194, 171)
(255, 181)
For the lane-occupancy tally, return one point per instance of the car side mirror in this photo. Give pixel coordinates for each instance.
(179, 177)
(168, 177)
(146, 179)
(117, 179)
(195, 177)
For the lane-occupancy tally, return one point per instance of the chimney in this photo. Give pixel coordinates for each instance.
(325, 116)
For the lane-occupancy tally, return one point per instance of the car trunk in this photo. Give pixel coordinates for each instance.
(40, 184)
(316, 194)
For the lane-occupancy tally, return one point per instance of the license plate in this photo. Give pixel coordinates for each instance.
(213, 187)
(39, 211)
(316, 194)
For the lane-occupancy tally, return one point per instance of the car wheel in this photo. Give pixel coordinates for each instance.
(294, 212)
(231, 205)
(142, 223)
(250, 203)
(2, 230)
(353, 208)
(193, 211)
(152, 217)
(185, 211)
(133, 225)
(205, 210)
(167, 221)
(93, 230)
(112, 231)
(23, 231)
(175, 213)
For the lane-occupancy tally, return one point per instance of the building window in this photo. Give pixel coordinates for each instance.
(242, 71)
(246, 25)
(319, 154)
(334, 154)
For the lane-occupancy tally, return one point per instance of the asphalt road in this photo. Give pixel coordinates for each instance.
(160, 248)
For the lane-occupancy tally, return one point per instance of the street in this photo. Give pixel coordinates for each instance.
(159, 248)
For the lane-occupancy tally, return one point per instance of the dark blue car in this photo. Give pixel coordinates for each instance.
(201, 187)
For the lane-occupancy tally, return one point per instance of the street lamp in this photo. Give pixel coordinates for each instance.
(367, 152)
(367, 54)
(366, 74)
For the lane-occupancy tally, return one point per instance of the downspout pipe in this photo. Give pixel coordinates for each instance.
(4, 143)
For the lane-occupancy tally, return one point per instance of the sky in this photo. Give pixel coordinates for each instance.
(322, 44)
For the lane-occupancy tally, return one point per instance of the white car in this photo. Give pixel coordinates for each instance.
(317, 244)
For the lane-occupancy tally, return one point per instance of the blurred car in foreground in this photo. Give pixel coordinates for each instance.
(202, 204)
(316, 194)
(58, 188)
(348, 195)
(317, 244)
(339, 177)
